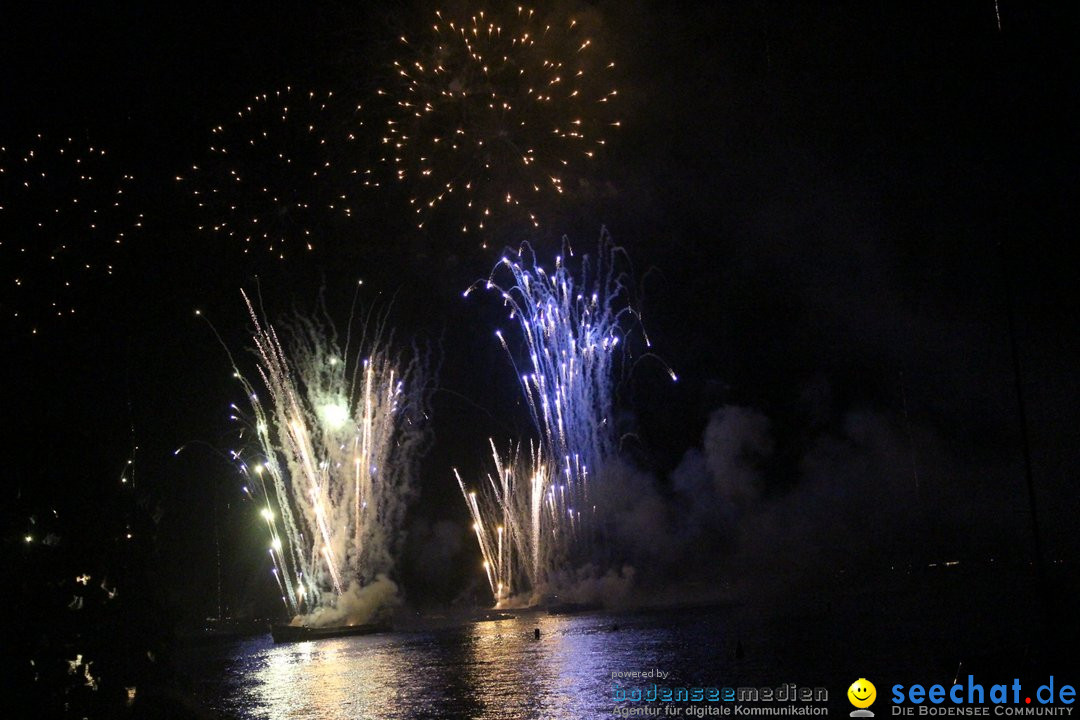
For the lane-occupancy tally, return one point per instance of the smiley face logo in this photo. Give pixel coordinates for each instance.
(862, 694)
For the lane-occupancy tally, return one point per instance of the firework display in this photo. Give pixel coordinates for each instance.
(495, 113)
(64, 217)
(537, 515)
(278, 174)
(489, 119)
(339, 430)
(329, 394)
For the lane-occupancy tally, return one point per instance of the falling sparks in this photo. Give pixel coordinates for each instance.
(338, 439)
(277, 173)
(65, 215)
(493, 113)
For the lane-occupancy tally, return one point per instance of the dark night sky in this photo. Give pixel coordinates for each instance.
(831, 203)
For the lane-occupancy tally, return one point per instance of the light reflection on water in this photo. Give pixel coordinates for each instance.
(496, 670)
(484, 670)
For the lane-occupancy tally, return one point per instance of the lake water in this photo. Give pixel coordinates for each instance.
(496, 669)
(493, 669)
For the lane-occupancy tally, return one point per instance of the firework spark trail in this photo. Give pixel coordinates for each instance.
(339, 440)
(506, 520)
(496, 112)
(539, 504)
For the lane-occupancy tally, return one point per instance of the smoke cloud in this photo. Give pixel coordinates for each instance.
(751, 510)
(358, 605)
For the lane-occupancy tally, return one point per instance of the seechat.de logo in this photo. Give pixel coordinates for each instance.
(862, 695)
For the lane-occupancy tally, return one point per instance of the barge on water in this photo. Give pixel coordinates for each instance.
(300, 633)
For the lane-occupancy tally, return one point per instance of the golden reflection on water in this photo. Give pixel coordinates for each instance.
(343, 677)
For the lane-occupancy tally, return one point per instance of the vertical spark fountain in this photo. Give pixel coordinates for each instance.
(339, 437)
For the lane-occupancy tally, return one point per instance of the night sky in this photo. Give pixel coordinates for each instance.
(830, 211)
